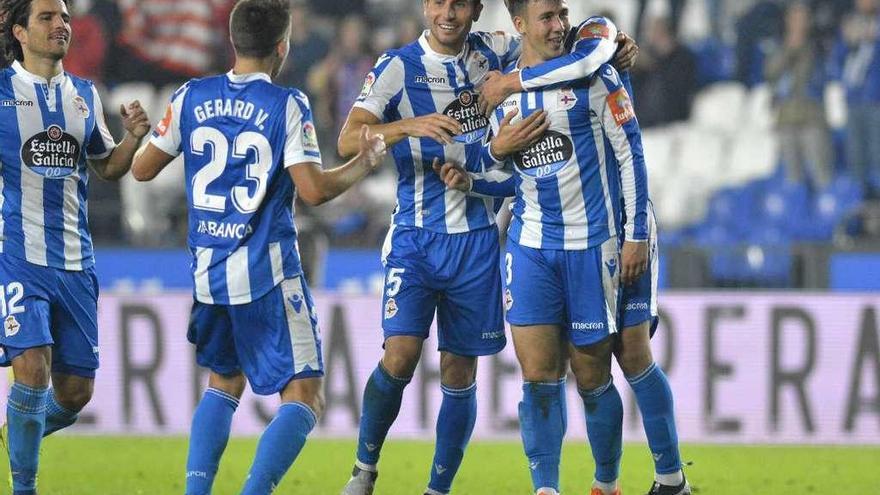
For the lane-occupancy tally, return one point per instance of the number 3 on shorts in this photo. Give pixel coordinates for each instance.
(508, 263)
(394, 281)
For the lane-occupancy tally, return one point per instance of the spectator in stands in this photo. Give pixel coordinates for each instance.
(89, 47)
(856, 62)
(168, 41)
(337, 81)
(757, 35)
(798, 81)
(676, 9)
(665, 77)
(308, 47)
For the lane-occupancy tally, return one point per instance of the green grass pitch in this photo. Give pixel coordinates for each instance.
(76, 465)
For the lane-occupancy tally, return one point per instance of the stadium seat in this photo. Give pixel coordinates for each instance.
(719, 107)
(754, 153)
(759, 108)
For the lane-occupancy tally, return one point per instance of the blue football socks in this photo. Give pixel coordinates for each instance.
(542, 420)
(58, 417)
(455, 423)
(651, 388)
(604, 412)
(25, 415)
(208, 437)
(382, 397)
(279, 446)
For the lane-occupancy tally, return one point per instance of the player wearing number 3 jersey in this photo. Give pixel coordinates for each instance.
(243, 139)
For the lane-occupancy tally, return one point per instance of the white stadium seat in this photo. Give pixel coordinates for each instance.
(719, 107)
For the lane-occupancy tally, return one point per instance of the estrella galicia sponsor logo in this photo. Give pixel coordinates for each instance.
(53, 153)
(16, 103)
(465, 111)
(546, 156)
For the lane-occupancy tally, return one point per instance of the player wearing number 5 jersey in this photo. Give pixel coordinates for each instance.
(248, 147)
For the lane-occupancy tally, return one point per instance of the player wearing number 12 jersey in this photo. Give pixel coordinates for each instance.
(243, 139)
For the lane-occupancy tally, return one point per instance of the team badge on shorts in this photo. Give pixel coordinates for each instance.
(508, 300)
(390, 308)
(11, 326)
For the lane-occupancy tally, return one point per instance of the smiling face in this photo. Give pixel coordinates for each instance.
(47, 34)
(543, 25)
(450, 21)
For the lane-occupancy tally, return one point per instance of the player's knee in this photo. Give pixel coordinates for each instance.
(540, 370)
(457, 371)
(74, 399)
(231, 384)
(634, 361)
(592, 378)
(318, 404)
(32, 367)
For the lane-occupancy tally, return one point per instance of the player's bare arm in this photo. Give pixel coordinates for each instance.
(436, 126)
(316, 185)
(633, 261)
(497, 87)
(137, 124)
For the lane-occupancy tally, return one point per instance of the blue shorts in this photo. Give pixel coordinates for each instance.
(273, 340)
(455, 275)
(44, 306)
(576, 290)
(638, 302)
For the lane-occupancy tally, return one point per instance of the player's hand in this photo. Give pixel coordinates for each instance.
(372, 147)
(135, 119)
(633, 261)
(439, 127)
(512, 138)
(453, 175)
(627, 52)
(495, 89)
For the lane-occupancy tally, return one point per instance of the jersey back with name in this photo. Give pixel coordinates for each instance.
(49, 130)
(238, 134)
(569, 184)
(415, 81)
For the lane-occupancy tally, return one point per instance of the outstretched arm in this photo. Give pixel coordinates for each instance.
(316, 185)
(137, 125)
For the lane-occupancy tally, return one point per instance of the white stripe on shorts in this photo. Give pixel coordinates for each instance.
(299, 323)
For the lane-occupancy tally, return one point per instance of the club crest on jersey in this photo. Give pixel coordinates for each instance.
(368, 86)
(621, 107)
(11, 326)
(390, 308)
(81, 107)
(545, 157)
(594, 31)
(567, 99)
(508, 300)
(465, 111)
(53, 153)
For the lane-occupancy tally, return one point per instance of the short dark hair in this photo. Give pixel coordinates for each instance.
(257, 26)
(13, 12)
(516, 7)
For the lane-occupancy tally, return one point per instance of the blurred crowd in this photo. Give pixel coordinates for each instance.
(810, 54)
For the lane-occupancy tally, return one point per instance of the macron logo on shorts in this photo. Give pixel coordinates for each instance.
(296, 301)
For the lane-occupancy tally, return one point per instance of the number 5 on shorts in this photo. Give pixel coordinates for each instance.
(394, 281)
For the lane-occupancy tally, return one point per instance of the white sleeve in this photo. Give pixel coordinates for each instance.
(100, 142)
(301, 143)
(166, 135)
(382, 85)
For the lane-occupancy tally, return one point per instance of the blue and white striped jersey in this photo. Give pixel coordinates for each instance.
(414, 81)
(49, 130)
(238, 135)
(569, 185)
